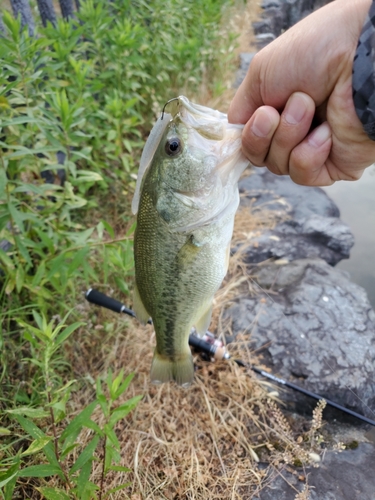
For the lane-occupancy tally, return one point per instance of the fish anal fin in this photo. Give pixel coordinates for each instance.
(164, 369)
(139, 309)
(204, 321)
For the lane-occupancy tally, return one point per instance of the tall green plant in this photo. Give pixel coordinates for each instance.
(76, 103)
(55, 448)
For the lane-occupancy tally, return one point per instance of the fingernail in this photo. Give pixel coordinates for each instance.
(295, 109)
(262, 124)
(320, 135)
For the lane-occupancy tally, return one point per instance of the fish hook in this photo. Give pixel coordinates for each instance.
(166, 104)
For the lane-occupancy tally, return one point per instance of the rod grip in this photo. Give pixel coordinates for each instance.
(98, 298)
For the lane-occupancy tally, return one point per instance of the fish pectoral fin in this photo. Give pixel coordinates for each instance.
(189, 251)
(139, 309)
(204, 321)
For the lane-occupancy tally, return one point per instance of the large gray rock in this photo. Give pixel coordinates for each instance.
(245, 60)
(278, 16)
(309, 224)
(314, 327)
(348, 475)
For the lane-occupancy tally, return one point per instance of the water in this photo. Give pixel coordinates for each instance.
(356, 201)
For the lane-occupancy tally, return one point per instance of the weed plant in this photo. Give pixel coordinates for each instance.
(76, 103)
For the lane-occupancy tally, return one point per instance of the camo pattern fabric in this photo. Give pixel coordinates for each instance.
(364, 75)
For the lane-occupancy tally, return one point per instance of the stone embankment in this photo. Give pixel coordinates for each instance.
(309, 323)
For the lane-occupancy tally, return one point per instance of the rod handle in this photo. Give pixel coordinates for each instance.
(100, 299)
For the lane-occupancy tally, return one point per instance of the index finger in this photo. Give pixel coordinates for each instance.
(247, 98)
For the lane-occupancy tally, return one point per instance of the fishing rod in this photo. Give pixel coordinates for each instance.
(214, 348)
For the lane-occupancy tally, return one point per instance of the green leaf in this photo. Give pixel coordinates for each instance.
(67, 332)
(117, 488)
(88, 176)
(20, 120)
(44, 470)
(37, 445)
(36, 433)
(108, 228)
(125, 384)
(9, 488)
(111, 456)
(20, 278)
(131, 230)
(6, 260)
(53, 493)
(123, 410)
(39, 320)
(78, 259)
(111, 435)
(86, 455)
(39, 275)
(90, 424)
(119, 468)
(67, 450)
(29, 412)
(73, 429)
(110, 383)
(3, 183)
(83, 478)
(8, 475)
(4, 432)
(17, 217)
(22, 249)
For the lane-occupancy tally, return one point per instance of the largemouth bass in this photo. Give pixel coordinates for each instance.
(186, 198)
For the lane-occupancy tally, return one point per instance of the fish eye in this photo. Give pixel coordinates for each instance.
(173, 146)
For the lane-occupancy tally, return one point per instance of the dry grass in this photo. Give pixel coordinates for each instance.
(222, 438)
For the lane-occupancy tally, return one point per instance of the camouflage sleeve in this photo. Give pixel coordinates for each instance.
(364, 75)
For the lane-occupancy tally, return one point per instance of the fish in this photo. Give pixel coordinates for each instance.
(185, 199)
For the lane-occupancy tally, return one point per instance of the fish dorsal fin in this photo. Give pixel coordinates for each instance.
(148, 152)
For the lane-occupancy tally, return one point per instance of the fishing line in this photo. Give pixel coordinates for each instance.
(214, 348)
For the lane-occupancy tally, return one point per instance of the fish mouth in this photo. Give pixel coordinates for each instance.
(209, 123)
(195, 109)
(199, 110)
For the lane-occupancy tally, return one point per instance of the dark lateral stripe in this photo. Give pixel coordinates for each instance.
(169, 346)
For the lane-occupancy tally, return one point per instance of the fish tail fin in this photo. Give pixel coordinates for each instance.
(164, 369)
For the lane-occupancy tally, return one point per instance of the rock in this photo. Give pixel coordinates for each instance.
(264, 39)
(314, 327)
(309, 224)
(347, 475)
(245, 60)
(264, 26)
(277, 16)
(270, 4)
(272, 21)
(304, 200)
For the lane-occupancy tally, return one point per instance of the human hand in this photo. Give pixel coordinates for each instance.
(296, 100)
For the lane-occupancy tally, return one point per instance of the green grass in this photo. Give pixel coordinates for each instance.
(88, 91)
